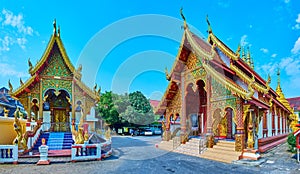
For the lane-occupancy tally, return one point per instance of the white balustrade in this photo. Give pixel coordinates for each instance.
(86, 152)
(9, 153)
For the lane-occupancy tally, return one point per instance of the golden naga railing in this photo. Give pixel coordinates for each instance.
(226, 50)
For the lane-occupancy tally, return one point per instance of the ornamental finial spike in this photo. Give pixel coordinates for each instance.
(209, 30)
(10, 87)
(21, 82)
(182, 16)
(54, 27)
(58, 31)
(30, 65)
(278, 76)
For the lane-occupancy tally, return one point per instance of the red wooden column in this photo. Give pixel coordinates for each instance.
(240, 132)
(278, 121)
(265, 124)
(210, 137)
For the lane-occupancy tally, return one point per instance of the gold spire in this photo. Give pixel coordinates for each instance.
(278, 89)
(251, 63)
(243, 55)
(248, 57)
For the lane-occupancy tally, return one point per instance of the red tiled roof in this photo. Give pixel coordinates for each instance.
(294, 102)
(154, 103)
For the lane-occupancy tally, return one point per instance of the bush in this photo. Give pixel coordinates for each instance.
(292, 142)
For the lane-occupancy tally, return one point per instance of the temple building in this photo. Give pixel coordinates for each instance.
(8, 105)
(54, 94)
(217, 95)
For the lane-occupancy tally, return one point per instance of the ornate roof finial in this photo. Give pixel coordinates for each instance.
(278, 77)
(10, 87)
(278, 89)
(182, 16)
(54, 27)
(209, 30)
(168, 77)
(30, 65)
(58, 31)
(21, 82)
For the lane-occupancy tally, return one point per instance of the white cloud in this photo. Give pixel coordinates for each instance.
(296, 27)
(8, 70)
(13, 31)
(16, 21)
(264, 50)
(21, 42)
(296, 48)
(286, 1)
(243, 41)
(298, 19)
(291, 66)
(269, 68)
(5, 43)
(273, 55)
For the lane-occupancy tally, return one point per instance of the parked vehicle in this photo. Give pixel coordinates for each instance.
(148, 132)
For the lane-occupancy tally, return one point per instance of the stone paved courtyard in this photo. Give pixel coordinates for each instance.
(139, 155)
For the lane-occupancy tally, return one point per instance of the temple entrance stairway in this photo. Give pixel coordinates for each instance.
(55, 140)
(223, 151)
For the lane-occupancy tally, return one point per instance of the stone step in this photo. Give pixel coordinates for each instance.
(224, 148)
(225, 145)
(226, 142)
(218, 156)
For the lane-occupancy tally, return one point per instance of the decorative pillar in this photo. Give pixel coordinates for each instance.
(73, 105)
(41, 101)
(29, 107)
(210, 136)
(240, 132)
(250, 141)
(183, 110)
(265, 124)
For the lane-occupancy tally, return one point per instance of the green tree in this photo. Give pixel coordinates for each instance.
(107, 109)
(135, 108)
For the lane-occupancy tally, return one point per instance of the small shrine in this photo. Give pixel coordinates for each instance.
(54, 94)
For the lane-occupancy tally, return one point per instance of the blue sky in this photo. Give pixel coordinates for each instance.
(125, 45)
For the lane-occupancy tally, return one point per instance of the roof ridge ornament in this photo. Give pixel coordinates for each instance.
(54, 27)
(182, 16)
(10, 87)
(58, 31)
(30, 66)
(168, 77)
(209, 30)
